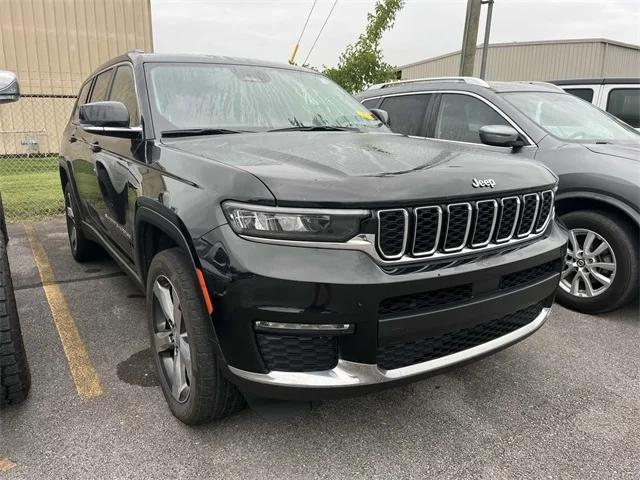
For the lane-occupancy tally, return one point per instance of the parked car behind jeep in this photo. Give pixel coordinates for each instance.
(594, 155)
(289, 244)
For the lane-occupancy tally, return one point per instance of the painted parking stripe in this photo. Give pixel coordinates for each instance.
(84, 374)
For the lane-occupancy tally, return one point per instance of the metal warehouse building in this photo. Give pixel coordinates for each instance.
(548, 60)
(53, 45)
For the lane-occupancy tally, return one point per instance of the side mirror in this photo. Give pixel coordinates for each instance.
(9, 87)
(381, 115)
(104, 114)
(500, 136)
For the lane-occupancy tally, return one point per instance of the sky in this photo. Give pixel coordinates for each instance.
(268, 29)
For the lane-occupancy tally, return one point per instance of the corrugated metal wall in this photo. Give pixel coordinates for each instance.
(53, 45)
(540, 61)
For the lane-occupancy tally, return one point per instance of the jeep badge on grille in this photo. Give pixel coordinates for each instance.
(487, 182)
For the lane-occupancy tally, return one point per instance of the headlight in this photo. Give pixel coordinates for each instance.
(304, 224)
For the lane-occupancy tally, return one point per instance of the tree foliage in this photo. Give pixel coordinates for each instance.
(362, 64)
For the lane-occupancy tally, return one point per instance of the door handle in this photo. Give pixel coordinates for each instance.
(95, 147)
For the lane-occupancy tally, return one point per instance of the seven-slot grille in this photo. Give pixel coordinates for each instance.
(450, 228)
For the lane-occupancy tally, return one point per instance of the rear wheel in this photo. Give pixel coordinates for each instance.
(182, 340)
(82, 249)
(601, 266)
(15, 378)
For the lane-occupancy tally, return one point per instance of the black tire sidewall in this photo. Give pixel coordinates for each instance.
(619, 236)
(174, 265)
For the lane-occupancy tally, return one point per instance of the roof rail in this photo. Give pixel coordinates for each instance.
(540, 84)
(469, 80)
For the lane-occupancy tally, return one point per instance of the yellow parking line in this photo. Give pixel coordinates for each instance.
(82, 370)
(6, 465)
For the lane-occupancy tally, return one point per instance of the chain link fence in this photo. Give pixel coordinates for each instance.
(30, 133)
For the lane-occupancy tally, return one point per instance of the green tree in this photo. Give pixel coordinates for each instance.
(361, 64)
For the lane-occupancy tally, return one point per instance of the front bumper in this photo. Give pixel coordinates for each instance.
(258, 282)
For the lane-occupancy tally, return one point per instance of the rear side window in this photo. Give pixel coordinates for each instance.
(101, 86)
(461, 117)
(123, 90)
(407, 113)
(82, 99)
(624, 103)
(583, 93)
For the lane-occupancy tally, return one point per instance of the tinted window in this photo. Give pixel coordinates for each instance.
(371, 103)
(624, 103)
(101, 86)
(461, 117)
(123, 90)
(583, 93)
(82, 99)
(406, 113)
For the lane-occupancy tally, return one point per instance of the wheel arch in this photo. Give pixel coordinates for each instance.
(158, 228)
(568, 202)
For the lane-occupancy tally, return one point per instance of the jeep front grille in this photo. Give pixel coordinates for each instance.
(437, 230)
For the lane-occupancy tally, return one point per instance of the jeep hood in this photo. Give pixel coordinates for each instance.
(368, 169)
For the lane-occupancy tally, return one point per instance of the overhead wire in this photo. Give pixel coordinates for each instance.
(292, 59)
(320, 32)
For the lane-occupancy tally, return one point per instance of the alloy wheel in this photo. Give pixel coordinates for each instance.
(170, 339)
(590, 264)
(71, 224)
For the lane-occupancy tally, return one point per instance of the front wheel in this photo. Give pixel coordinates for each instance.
(601, 266)
(182, 340)
(82, 248)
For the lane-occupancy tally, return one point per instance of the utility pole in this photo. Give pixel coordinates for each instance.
(487, 33)
(470, 37)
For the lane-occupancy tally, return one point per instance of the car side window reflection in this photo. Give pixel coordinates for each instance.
(461, 117)
(407, 113)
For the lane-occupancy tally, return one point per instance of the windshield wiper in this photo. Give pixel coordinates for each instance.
(316, 128)
(186, 132)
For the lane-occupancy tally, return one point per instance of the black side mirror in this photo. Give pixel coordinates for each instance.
(9, 87)
(104, 114)
(381, 115)
(500, 136)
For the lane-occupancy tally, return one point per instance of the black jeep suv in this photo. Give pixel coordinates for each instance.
(290, 245)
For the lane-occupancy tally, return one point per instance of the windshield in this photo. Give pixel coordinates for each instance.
(244, 97)
(570, 118)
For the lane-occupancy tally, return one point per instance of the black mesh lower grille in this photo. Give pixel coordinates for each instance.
(403, 354)
(392, 232)
(530, 275)
(292, 353)
(425, 300)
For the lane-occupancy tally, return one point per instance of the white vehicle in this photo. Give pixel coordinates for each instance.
(618, 96)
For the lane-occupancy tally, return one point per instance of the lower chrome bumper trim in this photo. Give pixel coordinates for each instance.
(350, 374)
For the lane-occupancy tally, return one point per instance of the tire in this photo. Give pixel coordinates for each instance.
(205, 394)
(622, 240)
(82, 248)
(15, 378)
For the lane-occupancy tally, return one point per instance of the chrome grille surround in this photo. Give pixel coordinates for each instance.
(503, 206)
(526, 199)
(380, 241)
(449, 228)
(493, 223)
(503, 211)
(416, 214)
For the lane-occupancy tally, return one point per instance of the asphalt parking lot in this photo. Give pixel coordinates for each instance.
(565, 403)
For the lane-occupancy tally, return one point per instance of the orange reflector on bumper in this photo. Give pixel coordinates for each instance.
(205, 292)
